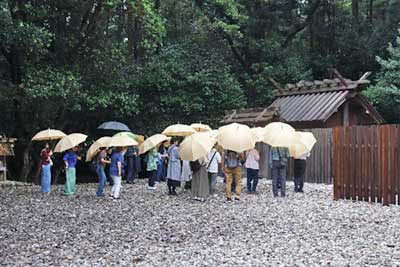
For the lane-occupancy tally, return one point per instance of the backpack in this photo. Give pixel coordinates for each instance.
(283, 161)
(232, 159)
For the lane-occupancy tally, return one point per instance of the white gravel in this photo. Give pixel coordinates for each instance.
(153, 229)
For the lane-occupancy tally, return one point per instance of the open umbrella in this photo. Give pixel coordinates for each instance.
(117, 141)
(178, 130)
(136, 137)
(70, 141)
(152, 142)
(305, 143)
(259, 133)
(114, 125)
(199, 127)
(236, 137)
(93, 149)
(196, 146)
(49, 134)
(278, 134)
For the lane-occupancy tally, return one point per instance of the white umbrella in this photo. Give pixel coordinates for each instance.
(178, 130)
(236, 137)
(152, 142)
(49, 134)
(93, 149)
(196, 146)
(199, 127)
(306, 142)
(70, 141)
(122, 141)
(278, 134)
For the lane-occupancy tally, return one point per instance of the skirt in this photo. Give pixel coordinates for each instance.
(175, 183)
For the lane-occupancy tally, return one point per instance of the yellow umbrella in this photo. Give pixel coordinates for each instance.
(152, 142)
(93, 149)
(122, 140)
(136, 137)
(178, 130)
(236, 137)
(196, 146)
(278, 134)
(49, 134)
(70, 141)
(199, 127)
(306, 142)
(259, 133)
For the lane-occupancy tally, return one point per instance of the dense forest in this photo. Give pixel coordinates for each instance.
(73, 64)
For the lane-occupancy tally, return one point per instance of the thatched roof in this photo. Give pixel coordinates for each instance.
(6, 146)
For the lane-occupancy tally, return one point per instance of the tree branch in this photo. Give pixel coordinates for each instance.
(301, 26)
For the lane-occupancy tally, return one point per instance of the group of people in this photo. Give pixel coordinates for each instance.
(163, 164)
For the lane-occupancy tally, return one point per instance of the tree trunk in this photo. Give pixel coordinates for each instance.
(130, 32)
(371, 7)
(354, 9)
(27, 163)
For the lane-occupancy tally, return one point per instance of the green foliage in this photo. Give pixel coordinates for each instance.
(385, 94)
(185, 83)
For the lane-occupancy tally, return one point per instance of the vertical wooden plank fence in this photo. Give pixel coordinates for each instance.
(319, 164)
(366, 164)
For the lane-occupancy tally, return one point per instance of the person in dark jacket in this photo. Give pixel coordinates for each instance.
(131, 163)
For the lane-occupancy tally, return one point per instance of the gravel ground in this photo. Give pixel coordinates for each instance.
(154, 229)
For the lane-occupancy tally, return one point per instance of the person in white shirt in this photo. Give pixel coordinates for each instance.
(253, 166)
(299, 172)
(214, 159)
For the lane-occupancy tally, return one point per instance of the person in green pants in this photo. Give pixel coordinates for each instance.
(70, 159)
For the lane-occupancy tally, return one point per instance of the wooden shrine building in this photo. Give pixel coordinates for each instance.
(318, 104)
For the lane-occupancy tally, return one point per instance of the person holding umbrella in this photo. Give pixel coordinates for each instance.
(174, 168)
(235, 138)
(252, 165)
(70, 159)
(278, 161)
(131, 155)
(161, 162)
(46, 163)
(45, 156)
(152, 167)
(233, 172)
(70, 144)
(116, 165)
(101, 162)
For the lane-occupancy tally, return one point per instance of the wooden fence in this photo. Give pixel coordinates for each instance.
(318, 164)
(366, 163)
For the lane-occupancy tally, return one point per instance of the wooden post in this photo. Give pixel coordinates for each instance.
(346, 113)
(5, 168)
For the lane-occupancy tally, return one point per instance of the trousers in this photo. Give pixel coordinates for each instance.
(233, 174)
(46, 178)
(117, 186)
(69, 187)
(299, 174)
(278, 175)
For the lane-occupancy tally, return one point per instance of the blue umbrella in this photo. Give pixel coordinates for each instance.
(114, 125)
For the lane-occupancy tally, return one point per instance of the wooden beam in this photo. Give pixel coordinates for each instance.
(275, 84)
(365, 76)
(322, 90)
(260, 115)
(339, 76)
